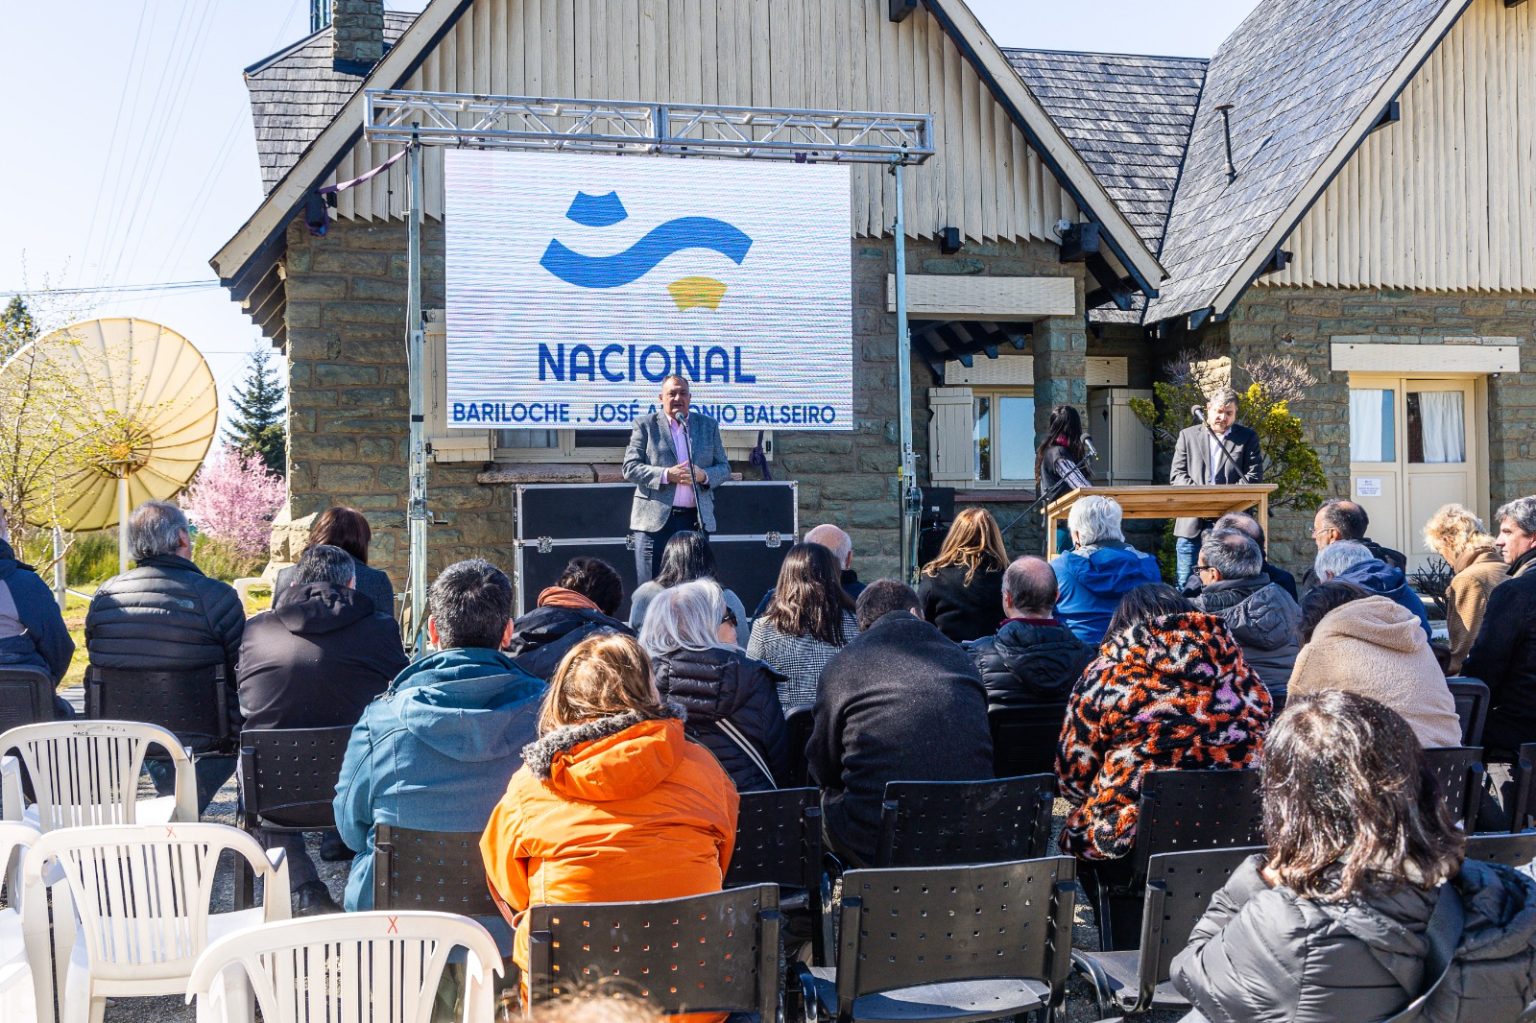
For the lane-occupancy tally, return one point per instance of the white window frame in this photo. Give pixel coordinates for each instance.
(941, 439)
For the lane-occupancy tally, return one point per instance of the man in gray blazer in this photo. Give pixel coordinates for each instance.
(674, 488)
(1216, 452)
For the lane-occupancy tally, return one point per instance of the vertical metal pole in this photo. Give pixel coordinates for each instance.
(59, 579)
(415, 340)
(907, 486)
(122, 524)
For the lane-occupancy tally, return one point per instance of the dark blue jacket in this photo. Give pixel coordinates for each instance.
(32, 630)
(435, 752)
(1090, 586)
(1382, 579)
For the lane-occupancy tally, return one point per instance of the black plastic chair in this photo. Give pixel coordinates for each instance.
(798, 720)
(704, 953)
(1514, 850)
(1472, 699)
(778, 841)
(945, 943)
(1459, 770)
(942, 823)
(26, 697)
(1182, 811)
(194, 705)
(287, 784)
(1524, 776)
(1179, 888)
(1024, 739)
(441, 871)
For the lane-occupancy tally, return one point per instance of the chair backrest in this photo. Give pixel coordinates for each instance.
(86, 773)
(143, 893)
(909, 926)
(440, 871)
(26, 696)
(1515, 850)
(1459, 770)
(1179, 890)
(704, 953)
(288, 776)
(1024, 739)
(194, 704)
(939, 823)
(1183, 810)
(778, 839)
(15, 840)
(798, 722)
(1472, 698)
(376, 967)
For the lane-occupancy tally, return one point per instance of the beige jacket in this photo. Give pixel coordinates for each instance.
(1376, 648)
(1478, 571)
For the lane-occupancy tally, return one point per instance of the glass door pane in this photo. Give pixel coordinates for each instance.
(1372, 425)
(1437, 427)
(981, 438)
(1016, 437)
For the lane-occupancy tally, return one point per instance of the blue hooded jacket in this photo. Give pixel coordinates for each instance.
(1089, 586)
(1384, 580)
(434, 752)
(32, 631)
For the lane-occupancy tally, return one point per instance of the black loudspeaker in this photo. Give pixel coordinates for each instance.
(938, 507)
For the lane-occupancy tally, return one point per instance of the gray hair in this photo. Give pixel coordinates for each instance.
(1232, 554)
(1522, 511)
(323, 563)
(1332, 561)
(834, 540)
(1220, 397)
(684, 617)
(1095, 519)
(155, 528)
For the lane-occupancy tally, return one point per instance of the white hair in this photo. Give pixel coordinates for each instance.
(684, 617)
(834, 540)
(1332, 561)
(1094, 519)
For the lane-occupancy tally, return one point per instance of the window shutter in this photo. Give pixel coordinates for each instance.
(949, 435)
(446, 445)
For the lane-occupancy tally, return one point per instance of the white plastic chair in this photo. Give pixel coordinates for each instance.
(137, 910)
(18, 997)
(87, 773)
(375, 967)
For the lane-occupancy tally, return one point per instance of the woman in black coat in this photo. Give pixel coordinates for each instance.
(962, 589)
(732, 700)
(348, 529)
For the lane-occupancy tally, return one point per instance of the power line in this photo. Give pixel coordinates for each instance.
(111, 289)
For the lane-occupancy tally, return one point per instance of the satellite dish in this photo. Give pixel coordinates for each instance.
(153, 407)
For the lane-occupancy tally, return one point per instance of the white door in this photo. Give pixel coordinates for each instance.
(1412, 449)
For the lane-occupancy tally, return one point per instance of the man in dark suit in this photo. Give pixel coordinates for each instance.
(675, 460)
(1216, 452)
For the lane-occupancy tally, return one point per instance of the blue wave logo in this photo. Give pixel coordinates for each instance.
(645, 255)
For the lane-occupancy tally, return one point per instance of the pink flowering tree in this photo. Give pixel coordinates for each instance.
(232, 500)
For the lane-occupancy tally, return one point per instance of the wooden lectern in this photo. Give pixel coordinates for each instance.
(1165, 503)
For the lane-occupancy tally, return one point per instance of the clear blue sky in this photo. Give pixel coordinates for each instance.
(131, 158)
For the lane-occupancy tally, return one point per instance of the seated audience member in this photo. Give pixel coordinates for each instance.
(1350, 562)
(166, 615)
(613, 804)
(686, 557)
(583, 600)
(1334, 921)
(1456, 535)
(32, 629)
(1504, 657)
(901, 702)
(960, 591)
(1360, 642)
(1517, 534)
(1169, 691)
(732, 701)
(809, 620)
(1099, 570)
(841, 546)
(315, 661)
(348, 529)
(1339, 521)
(1249, 526)
(436, 750)
(1263, 618)
(1033, 659)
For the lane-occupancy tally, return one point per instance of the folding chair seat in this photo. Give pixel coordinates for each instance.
(86, 773)
(1514, 850)
(942, 823)
(778, 841)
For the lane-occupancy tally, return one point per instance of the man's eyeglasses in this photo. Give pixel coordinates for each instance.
(1202, 569)
(729, 618)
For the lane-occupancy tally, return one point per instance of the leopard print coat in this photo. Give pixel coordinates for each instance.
(1169, 693)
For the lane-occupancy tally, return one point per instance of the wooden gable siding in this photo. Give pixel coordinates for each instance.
(1444, 200)
(843, 54)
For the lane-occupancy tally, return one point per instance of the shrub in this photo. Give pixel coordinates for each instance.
(232, 500)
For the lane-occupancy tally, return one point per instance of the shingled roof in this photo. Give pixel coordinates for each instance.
(1128, 116)
(295, 93)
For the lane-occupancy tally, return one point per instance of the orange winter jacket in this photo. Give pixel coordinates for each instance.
(611, 810)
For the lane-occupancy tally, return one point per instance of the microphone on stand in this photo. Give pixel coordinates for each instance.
(682, 420)
(1198, 413)
(1088, 447)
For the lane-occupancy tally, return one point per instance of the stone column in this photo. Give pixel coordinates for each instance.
(1060, 345)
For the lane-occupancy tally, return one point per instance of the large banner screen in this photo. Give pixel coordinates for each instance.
(576, 283)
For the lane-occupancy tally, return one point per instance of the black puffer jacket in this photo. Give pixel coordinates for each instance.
(1265, 621)
(544, 635)
(1029, 662)
(1267, 955)
(725, 691)
(165, 615)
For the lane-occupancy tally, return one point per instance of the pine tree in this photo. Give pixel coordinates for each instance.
(258, 427)
(17, 327)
